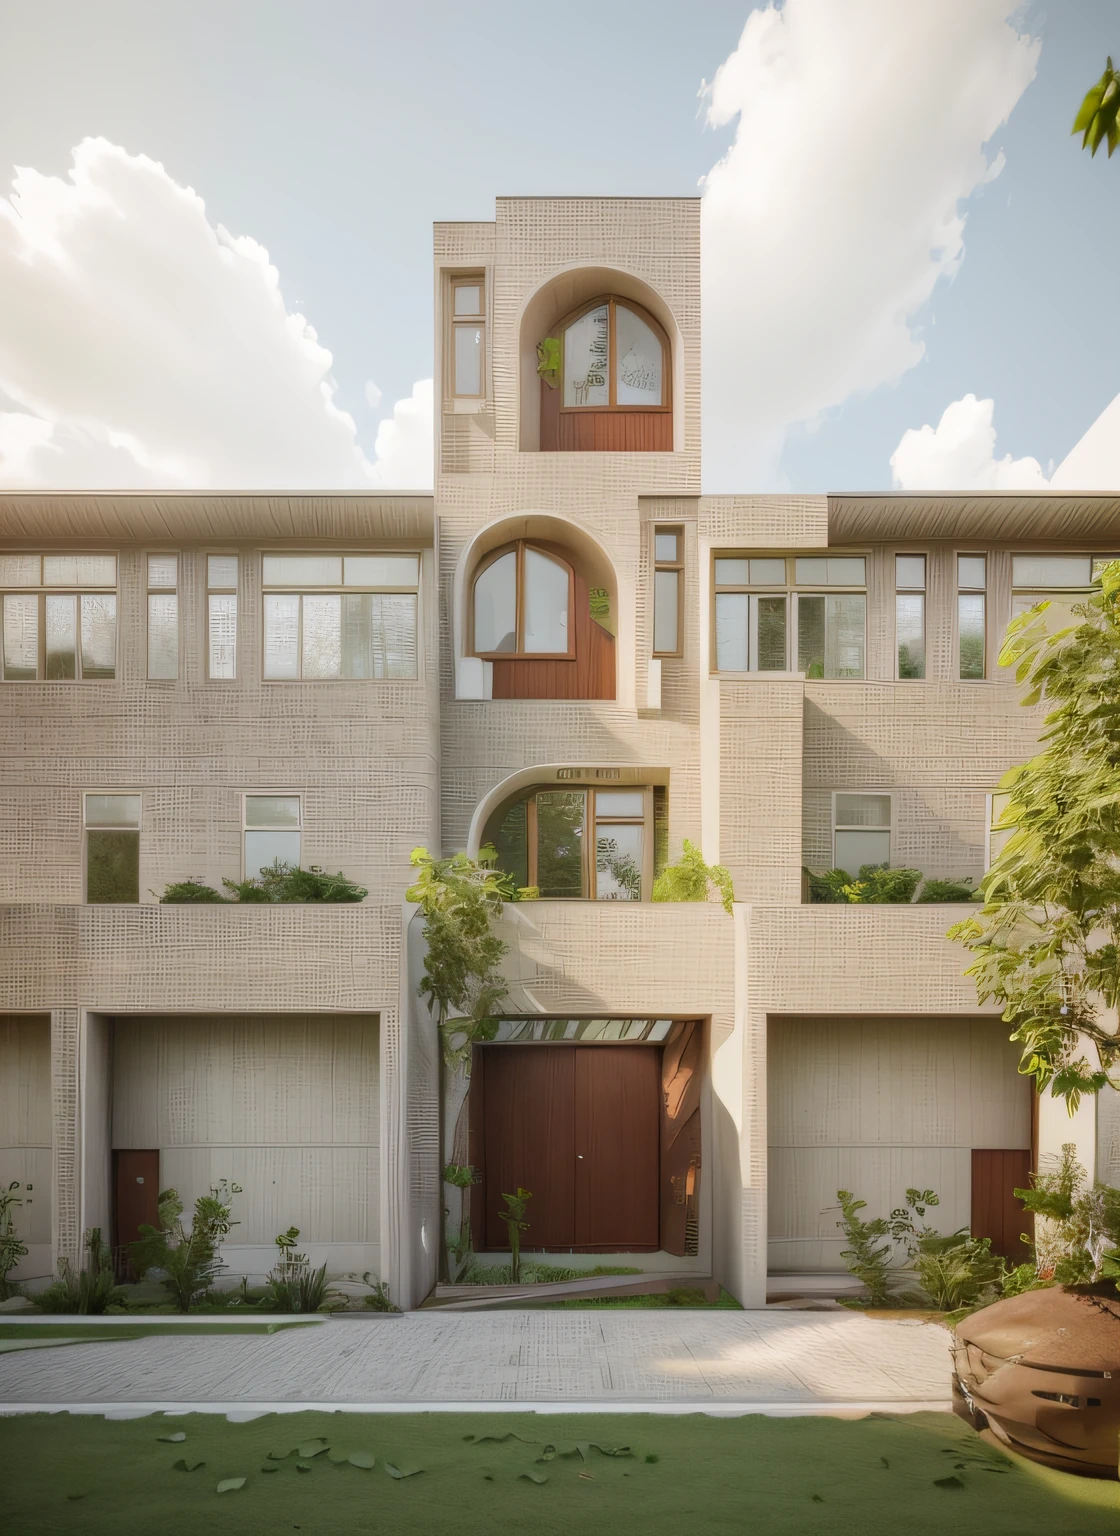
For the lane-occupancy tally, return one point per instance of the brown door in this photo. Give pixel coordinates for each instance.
(579, 1126)
(136, 1177)
(996, 1175)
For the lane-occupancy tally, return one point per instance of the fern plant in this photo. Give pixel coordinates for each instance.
(691, 879)
(866, 1257)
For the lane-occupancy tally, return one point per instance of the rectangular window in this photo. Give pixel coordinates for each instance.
(467, 352)
(594, 844)
(1063, 581)
(861, 831)
(910, 615)
(272, 828)
(668, 590)
(112, 831)
(163, 617)
(972, 582)
(329, 617)
(769, 617)
(998, 832)
(59, 618)
(221, 617)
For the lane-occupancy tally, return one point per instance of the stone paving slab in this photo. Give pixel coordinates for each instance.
(515, 1357)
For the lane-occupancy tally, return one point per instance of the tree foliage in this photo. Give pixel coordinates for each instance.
(1045, 942)
(187, 1259)
(1097, 119)
(690, 879)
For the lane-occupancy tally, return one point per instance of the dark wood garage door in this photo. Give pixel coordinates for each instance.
(580, 1127)
(996, 1174)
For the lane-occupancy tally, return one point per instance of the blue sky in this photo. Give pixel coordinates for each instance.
(335, 134)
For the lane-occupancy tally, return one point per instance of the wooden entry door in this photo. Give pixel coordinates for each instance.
(580, 1127)
(136, 1193)
(996, 1174)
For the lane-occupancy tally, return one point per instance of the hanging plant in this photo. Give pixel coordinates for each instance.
(548, 361)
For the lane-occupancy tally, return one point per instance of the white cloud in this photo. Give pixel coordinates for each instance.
(838, 207)
(143, 346)
(959, 454)
(374, 394)
(404, 442)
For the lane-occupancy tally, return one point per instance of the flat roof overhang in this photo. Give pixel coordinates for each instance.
(1045, 517)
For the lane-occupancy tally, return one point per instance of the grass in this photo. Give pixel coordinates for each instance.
(924, 1473)
(538, 1274)
(726, 1301)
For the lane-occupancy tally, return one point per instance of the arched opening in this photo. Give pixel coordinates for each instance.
(606, 380)
(579, 842)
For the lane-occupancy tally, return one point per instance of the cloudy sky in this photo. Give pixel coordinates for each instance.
(215, 232)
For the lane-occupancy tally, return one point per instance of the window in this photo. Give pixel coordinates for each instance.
(972, 582)
(668, 590)
(999, 831)
(910, 614)
(594, 844)
(467, 362)
(163, 617)
(1060, 580)
(221, 616)
(861, 831)
(59, 617)
(112, 828)
(613, 357)
(777, 613)
(522, 604)
(329, 616)
(272, 830)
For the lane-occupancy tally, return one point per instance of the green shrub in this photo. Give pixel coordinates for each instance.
(687, 1296)
(89, 1292)
(379, 1299)
(875, 885)
(189, 892)
(866, 1258)
(297, 1288)
(959, 1271)
(184, 1260)
(690, 879)
(11, 1249)
(948, 890)
(278, 883)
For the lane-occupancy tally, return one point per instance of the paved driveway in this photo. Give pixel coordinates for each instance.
(561, 1358)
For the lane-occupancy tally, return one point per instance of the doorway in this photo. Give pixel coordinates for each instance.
(579, 1126)
(996, 1214)
(135, 1193)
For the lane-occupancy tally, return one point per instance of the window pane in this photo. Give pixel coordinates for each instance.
(665, 610)
(511, 843)
(112, 866)
(303, 570)
(585, 359)
(1051, 570)
(910, 571)
(910, 634)
(163, 570)
(639, 358)
(855, 849)
(972, 572)
(381, 570)
(163, 635)
(393, 634)
(831, 570)
(221, 570)
(970, 628)
(495, 606)
(99, 634)
(21, 637)
(863, 810)
(618, 862)
(844, 636)
(731, 631)
(619, 802)
(62, 636)
(768, 573)
(733, 573)
(546, 604)
(272, 810)
(263, 849)
(665, 546)
(223, 634)
(468, 298)
(560, 816)
(768, 634)
(468, 359)
(322, 637)
(79, 570)
(1058, 613)
(357, 643)
(112, 810)
(20, 570)
(281, 637)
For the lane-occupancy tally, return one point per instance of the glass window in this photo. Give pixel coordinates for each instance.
(586, 345)
(560, 817)
(272, 832)
(221, 617)
(638, 360)
(999, 831)
(62, 637)
(613, 356)
(910, 615)
(547, 590)
(861, 831)
(1061, 581)
(830, 571)
(112, 836)
(521, 604)
(668, 579)
(468, 360)
(21, 636)
(467, 342)
(58, 635)
(495, 605)
(163, 617)
(343, 635)
(541, 841)
(821, 634)
(468, 298)
(972, 580)
(830, 635)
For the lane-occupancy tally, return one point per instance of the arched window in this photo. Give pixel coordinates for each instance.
(613, 356)
(522, 604)
(581, 843)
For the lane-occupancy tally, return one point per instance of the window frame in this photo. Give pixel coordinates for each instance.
(151, 591)
(330, 589)
(474, 321)
(677, 565)
(209, 591)
(1008, 831)
(87, 829)
(889, 829)
(922, 592)
(41, 591)
(791, 589)
(589, 843)
(560, 328)
(982, 593)
(491, 558)
(269, 794)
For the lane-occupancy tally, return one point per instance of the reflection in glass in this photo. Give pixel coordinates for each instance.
(546, 605)
(639, 359)
(731, 631)
(393, 634)
(768, 634)
(910, 634)
(163, 635)
(618, 862)
(223, 634)
(970, 631)
(99, 634)
(112, 867)
(264, 848)
(468, 359)
(62, 637)
(585, 359)
(855, 849)
(20, 570)
(21, 637)
(665, 611)
(163, 570)
(322, 637)
(281, 636)
(830, 635)
(560, 820)
(272, 810)
(511, 843)
(495, 606)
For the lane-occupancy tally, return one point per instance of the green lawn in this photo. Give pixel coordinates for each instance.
(472, 1475)
(644, 1303)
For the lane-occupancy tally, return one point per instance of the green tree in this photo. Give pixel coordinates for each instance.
(690, 879)
(1097, 119)
(1045, 942)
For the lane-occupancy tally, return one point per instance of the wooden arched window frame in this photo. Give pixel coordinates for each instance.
(613, 305)
(521, 549)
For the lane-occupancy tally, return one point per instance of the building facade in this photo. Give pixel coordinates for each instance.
(570, 653)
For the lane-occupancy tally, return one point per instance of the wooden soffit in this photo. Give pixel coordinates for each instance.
(1048, 517)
